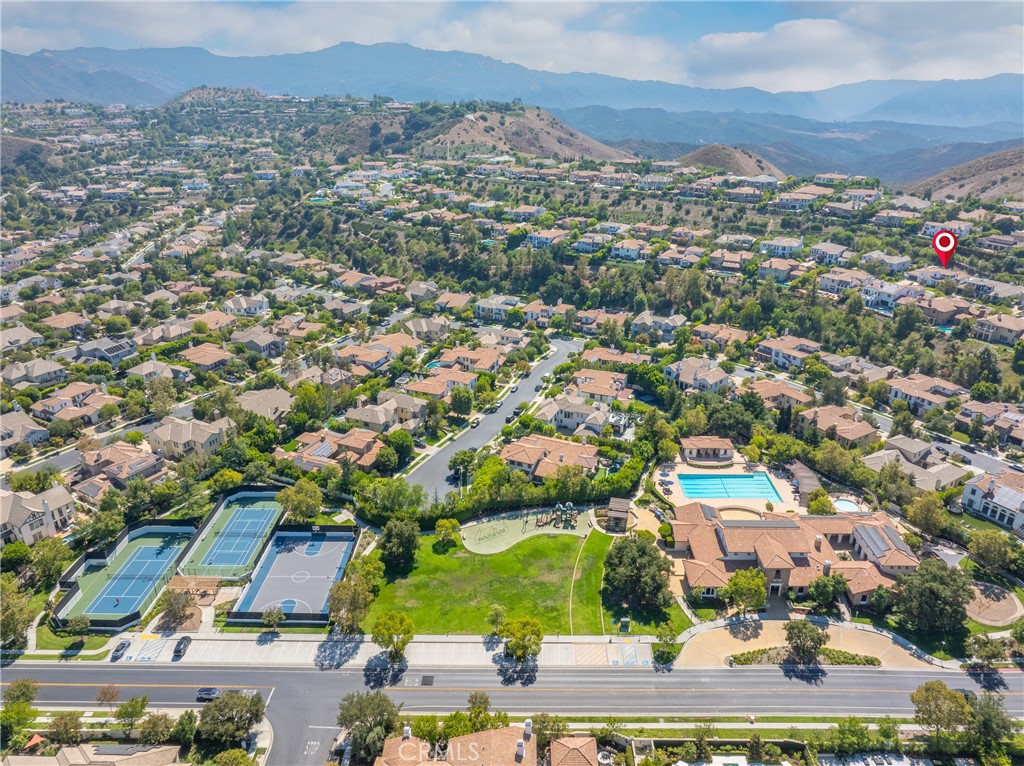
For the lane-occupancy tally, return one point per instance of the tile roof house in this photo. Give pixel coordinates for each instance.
(647, 321)
(115, 466)
(429, 329)
(153, 368)
(271, 403)
(600, 355)
(923, 392)
(720, 335)
(35, 372)
(392, 411)
(247, 305)
(709, 448)
(473, 359)
(323, 448)
(440, 382)
(777, 394)
(31, 518)
(541, 456)
(786, 351)
(842, 424)
(698, 373)
(17, 427)
(792, 550)
(258, 340)
(999, 328)
(997, 497)
(19, 336)
(207, 357)
(600, 386)
(176, 438)
(576, 416)
(453, 301)
(929, 475)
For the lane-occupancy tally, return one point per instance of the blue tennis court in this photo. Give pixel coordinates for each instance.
(241, 536)
(748, 486)
(128, 587)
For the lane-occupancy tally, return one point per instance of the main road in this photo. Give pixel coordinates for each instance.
(303, 700)
(432, 472)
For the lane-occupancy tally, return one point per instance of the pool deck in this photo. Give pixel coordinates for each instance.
(674, 492)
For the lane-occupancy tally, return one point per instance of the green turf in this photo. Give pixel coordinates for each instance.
(47, 639)
(453, 591)
(648, 626)
(192, 565)
(587, 612)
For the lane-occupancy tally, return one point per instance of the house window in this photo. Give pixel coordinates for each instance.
(778, 574)
(709, 593)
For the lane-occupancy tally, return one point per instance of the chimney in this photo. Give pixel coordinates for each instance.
(46, 505)
(406, 732)
(528, 726)
(817, 542)
(104, 387)
(152, 355)
(520, 749)
(828, 568)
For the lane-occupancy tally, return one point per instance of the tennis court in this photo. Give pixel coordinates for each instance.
(230, 544)
(131, 580)
(297, 572)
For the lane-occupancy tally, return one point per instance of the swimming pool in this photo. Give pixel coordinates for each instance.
(432, 365)
(751, 486)
(846, 506)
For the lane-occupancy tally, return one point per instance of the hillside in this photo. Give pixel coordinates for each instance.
(991, 177)
(740, 162)
(530, 131)
(23, 153)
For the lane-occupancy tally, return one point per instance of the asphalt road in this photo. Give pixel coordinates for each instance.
(432, 473)
(303, 700)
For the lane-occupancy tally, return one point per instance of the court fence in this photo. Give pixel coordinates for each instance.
(236, 573)
(103, 556)
(296, 618)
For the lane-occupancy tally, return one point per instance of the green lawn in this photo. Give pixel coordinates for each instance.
(706, 608)
(979, 573)
(674, 613)
(453, 590)
(587, 612)
(949, 649)
(972, 522)
(47, 639)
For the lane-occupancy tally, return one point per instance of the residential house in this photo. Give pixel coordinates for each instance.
(894, 264)
(453, 302)
(945, 311)
(247, 305)
(591, 242)
(999, 328)
(781, 247)
(746, 194)
(41, 373)
(735, 241)
(315, 451)
(115, 466)
(600, 386)
(440, 382)
(391, 412)
(18, 337)
(31, 518)
(853, 368)
(630, 250)
(526, 213)
(960, 228)
(540, 457)
(892, 219)
(496, 307)
(333, 377)
(176, 438)
(541, 314)
(997, 497)
(345, 308)
(647, 321)
(429, 329)
(930, 471)
(841, 424)
(886, 296)
(16, 427)
(271, 403)
(720, 335)
(838, 280)
(258, 340)
(792, 550)
(590, 321)
(207, 357)
(777, 269)
(153, 368)
(107, 350)
(600, 355)
(786, 351)
(545, 238)
(923, 392)
(475, 360)
(711, 449)
(730, 260)
(576, 416)
(76, 401)
(698, 373)
(70, 322)
(829, 253)
(778, 394)
(419, 291)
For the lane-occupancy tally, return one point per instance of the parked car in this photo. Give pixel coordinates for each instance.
(969, 448)
(514, 389)
(182, 646)
(965, 459)
(208, 694)
(942, 449)
(943, 439)
(119, 650)
(475, 423)
(1016, 467)
(538, 387)
(509, 418)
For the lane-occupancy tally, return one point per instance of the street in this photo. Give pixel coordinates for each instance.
(432, 473)
(303, 700)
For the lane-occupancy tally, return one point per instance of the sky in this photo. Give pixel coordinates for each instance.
(775, 46)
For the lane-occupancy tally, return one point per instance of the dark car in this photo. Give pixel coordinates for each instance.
(119, 650)
(538, 387)
(208, 694)
(943, 439)
(943, 450)
(182, 646)
(969, 448)
(965, 459)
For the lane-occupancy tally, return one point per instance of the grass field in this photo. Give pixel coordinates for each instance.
(587, 611)
(453, 591)
(47, 639)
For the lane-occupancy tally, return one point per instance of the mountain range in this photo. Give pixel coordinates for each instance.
(149, 76)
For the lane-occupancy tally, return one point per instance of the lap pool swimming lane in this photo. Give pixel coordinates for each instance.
(756, 486)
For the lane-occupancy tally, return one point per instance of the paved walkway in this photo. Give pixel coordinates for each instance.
(498, 533)
(713, 646)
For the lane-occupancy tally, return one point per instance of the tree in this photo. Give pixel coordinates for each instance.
(851, 736)
(805, 639)
(832, 391)
(523, 637)
(48, 559)
(398, 543)
(236, 756)
(547, 727)
(392, 632)
(301, 501)
(747, 589)
(15, 556)
(496, 616)
(462, 460)
(349, 601)
(881, 600)
(135, 438)
(401, 442)
(77, 625)
(177, 604)
(16, 614)
(273, 617)
(1017, 631)
(230, 717)
(448, 530)
(14, 722)
(224, 480)
(991, 725)
(386, 462)
(370, 718)
(156, 728)
(108, 695)
(827, 588)
(821, 506)
(933, 599)
(21, 690)
(185, 729)
(990, 548)
(902, 424)
(461, 401)
(987, 651)
(162, 396)
(755, 749)
(66, 728)
(940, 709)
(928, 513)
(130, 713)
(889, 733)
(636, 574)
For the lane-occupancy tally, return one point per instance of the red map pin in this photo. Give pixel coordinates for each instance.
(944, 243)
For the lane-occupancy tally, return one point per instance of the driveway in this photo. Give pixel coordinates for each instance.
(431, 473)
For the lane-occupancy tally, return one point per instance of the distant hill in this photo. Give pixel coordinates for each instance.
(148, 76)
(740, 162)
(652, 150)
(18, 153)
(991, 177)
(530, 131)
